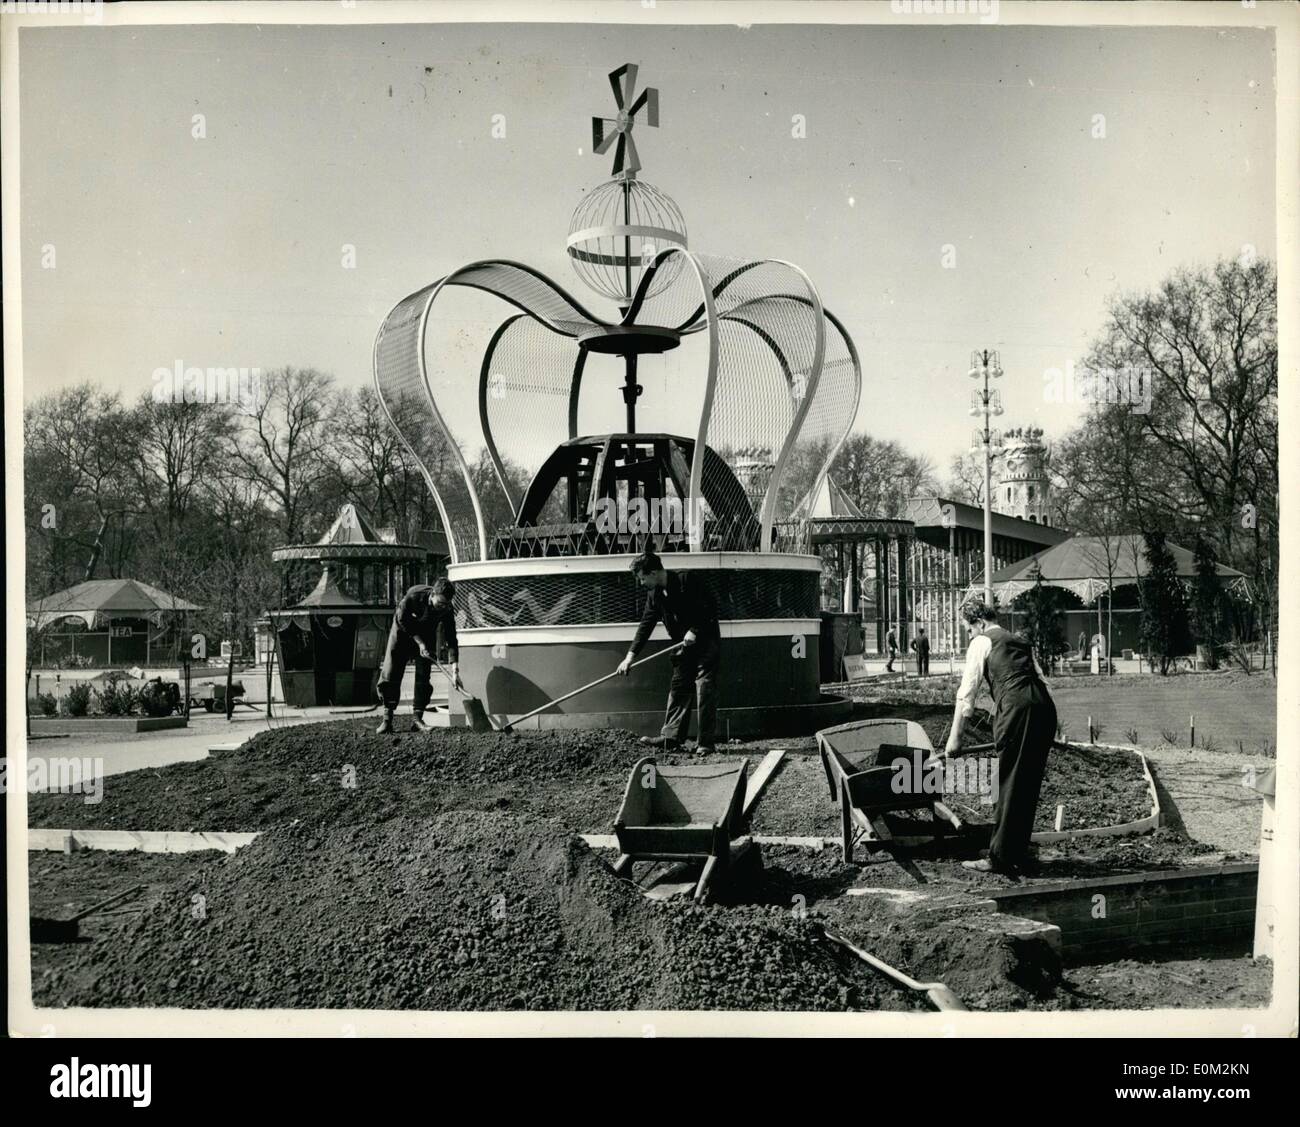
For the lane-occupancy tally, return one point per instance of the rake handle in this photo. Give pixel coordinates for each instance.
(589, 685)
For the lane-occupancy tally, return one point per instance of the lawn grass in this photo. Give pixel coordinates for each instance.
(1234, 711)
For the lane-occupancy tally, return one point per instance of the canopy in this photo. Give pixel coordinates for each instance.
(124, 598)
(328, 594)
(1091, 565)
(352, 537)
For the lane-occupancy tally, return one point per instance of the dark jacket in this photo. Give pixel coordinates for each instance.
(683, 604)
(922, 645)
(417, 616)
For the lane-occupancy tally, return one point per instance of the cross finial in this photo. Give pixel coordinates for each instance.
(605, 129)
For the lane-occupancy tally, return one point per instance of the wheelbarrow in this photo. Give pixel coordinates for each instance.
(692, 813)
(45, 930)
(862, 764)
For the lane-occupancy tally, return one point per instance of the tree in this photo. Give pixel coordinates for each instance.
(1042, 627)
(1206, 613)
(1200, 441)
(966, 478)
(284, 444)
(1164, 627)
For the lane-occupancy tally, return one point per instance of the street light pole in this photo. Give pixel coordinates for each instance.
(985, 403)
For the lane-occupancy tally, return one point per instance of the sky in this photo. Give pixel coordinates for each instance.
(951, 192)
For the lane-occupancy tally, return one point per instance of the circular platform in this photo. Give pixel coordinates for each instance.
(636, 340)
(535, 629)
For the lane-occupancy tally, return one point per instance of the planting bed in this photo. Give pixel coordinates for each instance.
(341, 771)
(441, 871)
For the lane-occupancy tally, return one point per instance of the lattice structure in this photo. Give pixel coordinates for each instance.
(780, 375)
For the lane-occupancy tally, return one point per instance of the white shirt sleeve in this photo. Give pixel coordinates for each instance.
(977, 656)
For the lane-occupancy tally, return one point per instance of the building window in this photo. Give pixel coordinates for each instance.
(1031, 492)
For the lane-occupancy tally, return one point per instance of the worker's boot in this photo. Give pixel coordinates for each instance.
(665, 743)
(418, 724)
(386, 725)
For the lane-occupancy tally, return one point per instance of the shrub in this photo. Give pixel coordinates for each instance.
(1131, 734)
(159, 699)
(77, 700)
(117, 698)
(1169, 736)
(47, 703)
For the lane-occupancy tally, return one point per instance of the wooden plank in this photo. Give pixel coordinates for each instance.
(143, 841)
(758, 780)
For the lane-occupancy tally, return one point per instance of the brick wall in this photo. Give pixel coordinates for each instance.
(1142, 910)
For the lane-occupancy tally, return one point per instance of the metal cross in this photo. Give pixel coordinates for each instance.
(605, 129)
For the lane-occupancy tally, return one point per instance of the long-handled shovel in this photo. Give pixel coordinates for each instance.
(66, 931)
(939, 995)
(590, 685)
(477, 715)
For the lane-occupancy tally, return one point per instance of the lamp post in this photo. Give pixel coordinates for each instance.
(984, 365)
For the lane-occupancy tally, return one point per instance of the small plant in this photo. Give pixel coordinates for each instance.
(1169, 736)
(77, 700)
(1209, 743)
(1098, 730)
(117, 698)
(1131, 734)
(77, 661)
(47, 703)
(1267, 750)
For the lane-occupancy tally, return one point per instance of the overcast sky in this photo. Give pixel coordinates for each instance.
(226, 251)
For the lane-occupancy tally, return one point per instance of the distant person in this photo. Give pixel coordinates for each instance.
(424, 613)
(891, 645)
(1024, 726)
(921, 644)
(1083, 645)
(689, 613)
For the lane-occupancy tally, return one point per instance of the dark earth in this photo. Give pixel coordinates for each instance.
(442, 872)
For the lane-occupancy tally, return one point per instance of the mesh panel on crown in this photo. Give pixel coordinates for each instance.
(402, 389)
(529, 374)
(829, 419)
(533, 293)
(615, 597)
(402, 384)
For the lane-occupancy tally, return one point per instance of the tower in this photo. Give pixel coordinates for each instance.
(1023, 487)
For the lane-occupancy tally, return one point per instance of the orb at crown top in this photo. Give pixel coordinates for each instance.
(620, 226)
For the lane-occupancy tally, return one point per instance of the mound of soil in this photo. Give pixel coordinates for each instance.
(463, 911)
(342, 771)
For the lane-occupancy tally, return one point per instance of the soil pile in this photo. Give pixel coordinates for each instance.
(470, 910)
(343, 772)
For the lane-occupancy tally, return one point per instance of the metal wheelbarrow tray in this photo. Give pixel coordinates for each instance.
(681, 813)
(859, 759)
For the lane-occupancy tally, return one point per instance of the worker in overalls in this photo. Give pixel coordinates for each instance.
(689, 613)
(1024, 726)
(423, 619)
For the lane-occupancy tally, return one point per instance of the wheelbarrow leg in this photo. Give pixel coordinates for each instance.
(846, 825)
(702, 888)
(623, 866)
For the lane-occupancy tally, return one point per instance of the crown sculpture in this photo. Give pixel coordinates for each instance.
(776, 372)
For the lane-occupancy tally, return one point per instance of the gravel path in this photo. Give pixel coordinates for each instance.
(1203, 792)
